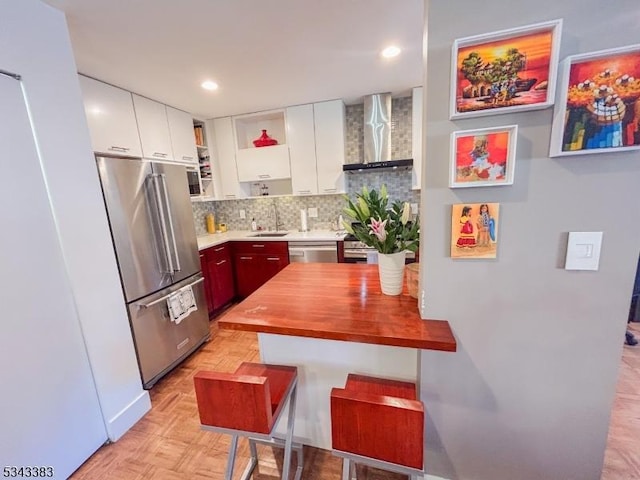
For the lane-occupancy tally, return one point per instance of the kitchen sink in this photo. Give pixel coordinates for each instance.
(270, 234)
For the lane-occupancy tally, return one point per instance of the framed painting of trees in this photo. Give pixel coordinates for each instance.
(506, 71)
(599, 103)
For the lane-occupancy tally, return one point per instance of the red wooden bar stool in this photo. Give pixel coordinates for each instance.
(379, 423)
(249, 403)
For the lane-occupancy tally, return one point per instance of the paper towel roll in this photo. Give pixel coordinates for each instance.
(303, 220)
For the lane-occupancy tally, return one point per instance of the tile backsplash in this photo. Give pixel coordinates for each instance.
(288, 208)
(329, 206)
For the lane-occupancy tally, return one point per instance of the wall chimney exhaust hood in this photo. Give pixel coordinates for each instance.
(377, 137)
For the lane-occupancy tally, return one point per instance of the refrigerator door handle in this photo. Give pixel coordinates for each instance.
(163, 224)
(158, 300)
(167, 205)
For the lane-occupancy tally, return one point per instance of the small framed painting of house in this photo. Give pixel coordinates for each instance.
(506, 71)
(474, 230)
(483, 158)
(599, 103)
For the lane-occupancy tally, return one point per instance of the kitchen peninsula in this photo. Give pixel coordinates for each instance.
(331, 320)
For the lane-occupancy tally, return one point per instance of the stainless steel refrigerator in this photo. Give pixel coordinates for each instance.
(154, 236)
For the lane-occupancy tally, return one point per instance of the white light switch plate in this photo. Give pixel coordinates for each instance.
(414, 209)
(243, 214)
(583, 251)
(313, 212)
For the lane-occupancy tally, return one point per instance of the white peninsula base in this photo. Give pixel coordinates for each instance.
(325, 364)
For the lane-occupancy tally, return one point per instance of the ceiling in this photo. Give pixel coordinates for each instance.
(263, 54)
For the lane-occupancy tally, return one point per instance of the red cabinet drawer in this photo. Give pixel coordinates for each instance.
(261, 247)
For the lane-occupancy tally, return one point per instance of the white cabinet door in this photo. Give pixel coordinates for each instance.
(183, 141)
(302, 150)
(154, 128)
(225, 149)
(329, 125)
(416, 137)
(111, 119)
(265, 163)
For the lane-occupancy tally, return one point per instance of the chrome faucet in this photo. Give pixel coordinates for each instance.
(274, 211)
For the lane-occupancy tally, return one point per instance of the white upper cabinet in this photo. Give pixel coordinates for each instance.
(225, 165)
(111, 118)
(302, 150)
(329, 120)
(265, 163)
(416, 137)
(154, 128)
(182, 138)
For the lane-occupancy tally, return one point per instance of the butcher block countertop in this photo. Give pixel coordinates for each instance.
(337, 301)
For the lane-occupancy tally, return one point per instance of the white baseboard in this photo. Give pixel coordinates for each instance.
(128, 416)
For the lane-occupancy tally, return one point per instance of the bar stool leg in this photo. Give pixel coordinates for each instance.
(348, 470)
(232, 457)
(300, 456)
(253, 461)
(289, 439)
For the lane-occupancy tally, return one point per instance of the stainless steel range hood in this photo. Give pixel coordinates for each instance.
(377, 137)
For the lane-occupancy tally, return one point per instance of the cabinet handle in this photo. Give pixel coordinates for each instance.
(184, 157)
(258, 245)
(246, 258)
(221, 262)
(329, 190)
(201, 256)
(159, 154)
(304, 191)
(119, 149)
(273, 258)
(264, 176)
(218, 249)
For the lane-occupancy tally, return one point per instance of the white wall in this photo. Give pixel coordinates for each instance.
(529, 392)
(35, 43)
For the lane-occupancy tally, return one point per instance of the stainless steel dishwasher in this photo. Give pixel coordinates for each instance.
(313, 252)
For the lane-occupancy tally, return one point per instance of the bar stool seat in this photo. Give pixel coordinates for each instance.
(378, 422)
(249, 403)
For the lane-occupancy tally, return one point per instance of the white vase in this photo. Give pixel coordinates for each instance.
(391, 271)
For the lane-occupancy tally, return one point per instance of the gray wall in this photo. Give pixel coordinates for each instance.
(529, 392)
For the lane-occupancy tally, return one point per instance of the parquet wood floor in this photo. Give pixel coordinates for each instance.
(167, 444)
(622, 457)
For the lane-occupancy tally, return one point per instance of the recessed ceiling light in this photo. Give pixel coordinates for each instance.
(391, 51)
(209, 85)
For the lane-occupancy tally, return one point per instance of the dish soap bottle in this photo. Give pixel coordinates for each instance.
(211, 223)
(254, 225)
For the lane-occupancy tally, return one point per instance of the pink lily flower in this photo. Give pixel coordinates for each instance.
(378, 229)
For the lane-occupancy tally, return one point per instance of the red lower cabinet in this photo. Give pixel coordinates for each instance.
(217, 269)
(256, 262)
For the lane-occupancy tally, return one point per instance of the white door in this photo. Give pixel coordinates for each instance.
(329, 120)
(154, 128)
(112, 122)
(50, 415)
(301, 138)
(183, 140)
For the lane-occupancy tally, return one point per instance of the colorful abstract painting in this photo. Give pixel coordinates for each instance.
(483, 157)
(600, 110)
(505, 71)
(474, 230)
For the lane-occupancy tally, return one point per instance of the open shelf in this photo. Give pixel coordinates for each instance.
(249, 127)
